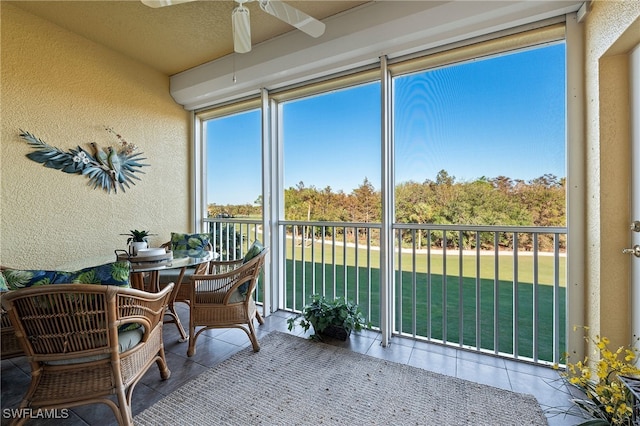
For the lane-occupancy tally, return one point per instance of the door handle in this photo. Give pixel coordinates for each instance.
(635, 250)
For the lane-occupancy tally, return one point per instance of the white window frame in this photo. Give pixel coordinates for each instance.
(383, 69)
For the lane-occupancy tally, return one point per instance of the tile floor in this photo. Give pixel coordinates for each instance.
(216, 345)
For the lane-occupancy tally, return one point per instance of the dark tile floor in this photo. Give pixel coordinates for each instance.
(216, 345)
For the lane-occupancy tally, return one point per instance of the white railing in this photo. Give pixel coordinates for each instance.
(504, 287)
(231, 238)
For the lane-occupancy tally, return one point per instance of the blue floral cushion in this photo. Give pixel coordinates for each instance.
(3, 283)
(115, 273)
(195, 243)
(255, 249)
(22, 278)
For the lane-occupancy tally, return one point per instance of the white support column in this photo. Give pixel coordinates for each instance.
(269, 209)
(277, 206)
(386, 233)
(198, 175)
(575, 187)
(634, 121)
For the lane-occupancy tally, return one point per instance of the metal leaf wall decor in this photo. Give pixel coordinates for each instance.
(108, 169)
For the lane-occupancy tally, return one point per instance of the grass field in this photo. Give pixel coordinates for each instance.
(525, 269)
(451, 314)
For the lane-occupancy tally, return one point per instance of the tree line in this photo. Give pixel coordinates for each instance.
(501, 200)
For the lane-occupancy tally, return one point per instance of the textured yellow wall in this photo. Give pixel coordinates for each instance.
(65, 90)
(612, 28)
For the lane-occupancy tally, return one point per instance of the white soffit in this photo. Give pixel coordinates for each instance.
(355, 38)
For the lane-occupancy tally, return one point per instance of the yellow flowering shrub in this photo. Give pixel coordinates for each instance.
(607, 397)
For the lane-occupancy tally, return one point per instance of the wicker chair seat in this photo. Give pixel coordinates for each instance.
(127, 339)
(217, 298)
(221, 315)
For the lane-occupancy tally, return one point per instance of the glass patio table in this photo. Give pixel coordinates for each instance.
(141, 269)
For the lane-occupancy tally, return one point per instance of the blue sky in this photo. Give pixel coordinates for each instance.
(499, 117)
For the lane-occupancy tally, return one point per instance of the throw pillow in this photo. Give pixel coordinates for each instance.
(115, 273)
(255, 249)
(195, 243)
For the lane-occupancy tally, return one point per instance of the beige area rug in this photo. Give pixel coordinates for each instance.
(295, 381)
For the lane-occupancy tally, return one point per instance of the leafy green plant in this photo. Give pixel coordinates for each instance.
(607, 400)
(136, 236)
(323, 314)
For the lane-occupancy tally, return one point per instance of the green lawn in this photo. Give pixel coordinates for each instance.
(505, 263)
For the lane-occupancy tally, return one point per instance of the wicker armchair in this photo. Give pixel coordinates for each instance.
(217, 299)
(83, 344)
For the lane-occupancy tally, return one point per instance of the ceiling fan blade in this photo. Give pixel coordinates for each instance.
(163, 3)
(241, 29)
(293, 16)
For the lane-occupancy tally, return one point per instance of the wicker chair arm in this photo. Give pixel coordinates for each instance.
(234, 287)
(137, 306)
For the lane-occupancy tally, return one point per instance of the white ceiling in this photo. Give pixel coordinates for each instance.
(174, 38)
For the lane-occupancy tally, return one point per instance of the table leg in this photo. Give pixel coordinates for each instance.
(137, 280)
(154, 282)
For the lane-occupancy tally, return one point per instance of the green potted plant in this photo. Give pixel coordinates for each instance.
(334, 318)
(137, 240)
